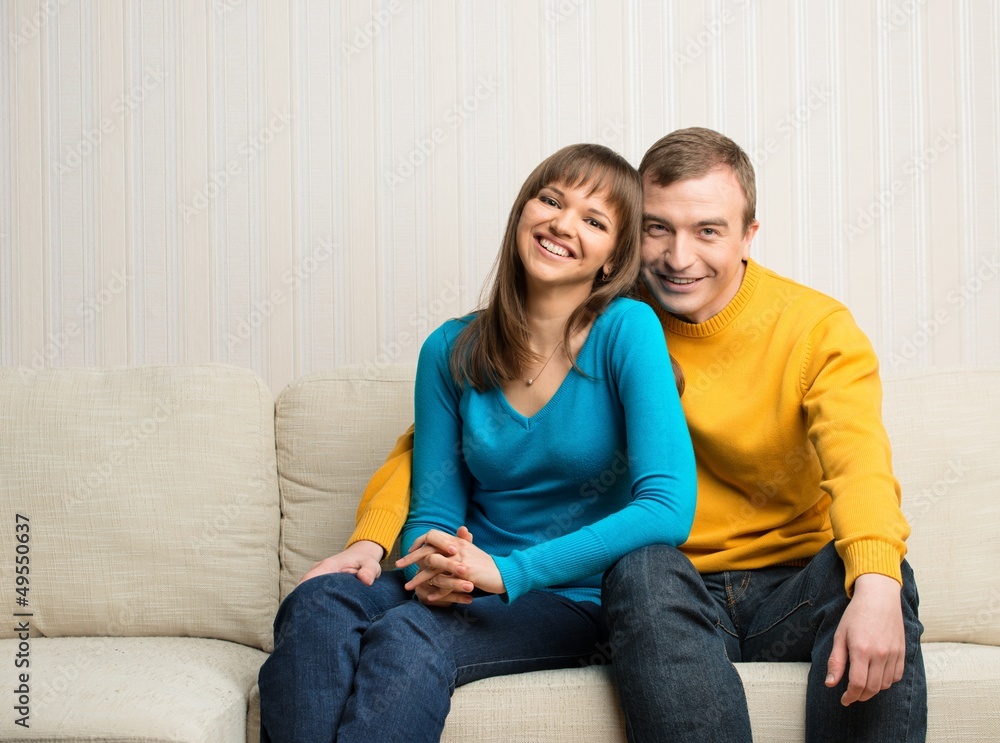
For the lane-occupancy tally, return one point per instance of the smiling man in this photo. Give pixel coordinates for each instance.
(796, 553)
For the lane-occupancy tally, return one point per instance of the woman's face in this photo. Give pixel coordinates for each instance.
(566, 235)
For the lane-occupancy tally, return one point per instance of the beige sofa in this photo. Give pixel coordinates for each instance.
(168, 509)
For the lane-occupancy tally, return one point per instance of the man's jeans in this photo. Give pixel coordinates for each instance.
(675, 635)
(368, 663)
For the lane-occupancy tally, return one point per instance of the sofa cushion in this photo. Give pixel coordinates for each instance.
(963, 692)
(332, 431)
(944, 432)
(152, 498)
(136, 689)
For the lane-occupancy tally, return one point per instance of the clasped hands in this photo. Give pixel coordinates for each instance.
(450, 568)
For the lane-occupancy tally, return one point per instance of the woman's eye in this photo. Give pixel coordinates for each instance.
(595, 223)
(548, 200)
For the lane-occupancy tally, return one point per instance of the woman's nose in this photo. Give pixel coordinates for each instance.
(562, 222)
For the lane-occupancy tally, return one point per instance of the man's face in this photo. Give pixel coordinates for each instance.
(694, 244)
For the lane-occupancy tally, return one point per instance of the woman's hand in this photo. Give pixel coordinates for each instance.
(443, 587)
(361, 559)
(443, 557)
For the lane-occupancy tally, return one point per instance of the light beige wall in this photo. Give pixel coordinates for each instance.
(290, 186)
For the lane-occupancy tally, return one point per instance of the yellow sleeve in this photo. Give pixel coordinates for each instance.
(843, 404)
(386, 500)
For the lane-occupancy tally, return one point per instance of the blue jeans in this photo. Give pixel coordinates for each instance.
(369, 663)
(675, 635)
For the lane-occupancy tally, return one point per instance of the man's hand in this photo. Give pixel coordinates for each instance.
(361, 559)
(870, 641)
(443, 555)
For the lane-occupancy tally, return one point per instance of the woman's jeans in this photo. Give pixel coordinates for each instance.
(369, 663)
(675, 634)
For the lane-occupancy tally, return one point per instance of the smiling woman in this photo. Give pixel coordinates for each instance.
(520, 407)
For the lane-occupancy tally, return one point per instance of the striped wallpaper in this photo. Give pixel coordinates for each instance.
(294, 185)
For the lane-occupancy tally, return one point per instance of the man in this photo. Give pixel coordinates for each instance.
(783, 401)
(796, 553)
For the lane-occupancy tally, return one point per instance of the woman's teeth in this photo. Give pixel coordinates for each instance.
(553, 248)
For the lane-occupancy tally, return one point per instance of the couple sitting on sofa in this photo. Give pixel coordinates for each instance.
(551, 448)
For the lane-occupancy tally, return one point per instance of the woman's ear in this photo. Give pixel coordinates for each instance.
(606, 271)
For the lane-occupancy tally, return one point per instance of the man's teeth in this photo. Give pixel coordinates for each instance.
(679, 281)
(553, 248)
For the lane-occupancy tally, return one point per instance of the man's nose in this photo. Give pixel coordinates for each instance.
(679, 253)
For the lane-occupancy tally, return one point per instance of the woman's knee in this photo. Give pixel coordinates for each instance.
(653, 572)
(412, 636)
(334, 598)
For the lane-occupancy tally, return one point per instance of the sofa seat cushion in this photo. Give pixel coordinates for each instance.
(134, 689)
(963, 691)
(580, 704)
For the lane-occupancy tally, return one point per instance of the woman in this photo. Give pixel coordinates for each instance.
(548, 425)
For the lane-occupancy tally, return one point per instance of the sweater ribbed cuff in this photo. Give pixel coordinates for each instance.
(870, 556)
(378, 525)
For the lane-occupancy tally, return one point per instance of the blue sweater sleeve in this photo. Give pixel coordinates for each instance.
(661, 463)
(442, 483)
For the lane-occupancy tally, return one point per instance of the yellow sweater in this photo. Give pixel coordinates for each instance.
(783, 401)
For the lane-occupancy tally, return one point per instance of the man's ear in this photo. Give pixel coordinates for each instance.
(748, 237)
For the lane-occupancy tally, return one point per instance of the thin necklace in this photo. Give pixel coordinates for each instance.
(531, 381)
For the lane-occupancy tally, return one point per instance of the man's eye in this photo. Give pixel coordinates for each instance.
(709, 232)
(655, 229)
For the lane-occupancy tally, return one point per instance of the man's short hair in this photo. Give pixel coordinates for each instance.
(693, 152)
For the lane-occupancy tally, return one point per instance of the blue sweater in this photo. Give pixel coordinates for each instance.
(604, 468)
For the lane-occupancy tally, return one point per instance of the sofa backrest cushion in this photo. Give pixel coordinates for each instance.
(945, 432)
(332, 431)
(152, 498)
